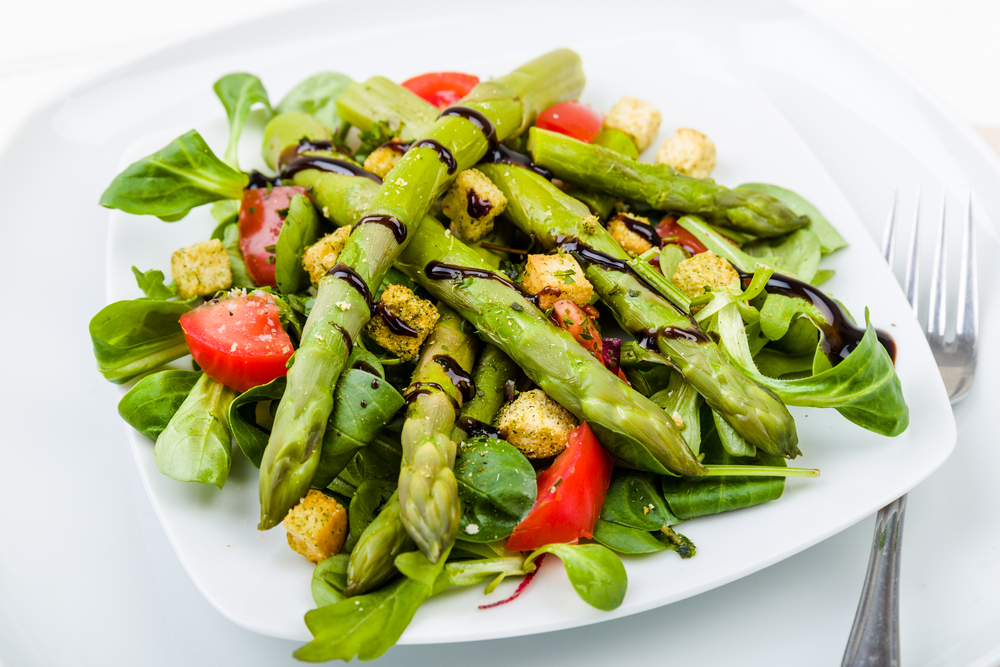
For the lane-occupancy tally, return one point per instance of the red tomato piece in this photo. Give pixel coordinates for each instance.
(671, 232)
(570, 495)
(578, 322)
(260, 224)
(238, 340)
(442, 89)
(574, 119)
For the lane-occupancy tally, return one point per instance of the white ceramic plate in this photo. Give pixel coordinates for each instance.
(256, 581)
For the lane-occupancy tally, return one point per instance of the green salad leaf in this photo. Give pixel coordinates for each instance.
(329, 580)
(238, 93)
(317, 96)
(368, 501)
(149, 405)
(626, 540)
(133, 337)
(597, 573)
(496, 489)
(152, 285)
(300, 230)
(633, 499)
(251, 429)
(829, 238)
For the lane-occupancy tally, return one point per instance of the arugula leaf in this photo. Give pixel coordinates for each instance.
(133, 337)
(317, 96)
(496, 489)
(300, 230)
(170, 182)
(633, 499)
(596, 572)
(196, 446)
(238, 93)
(151, 284)
(329, 580)
(829, 238)
(149, 405)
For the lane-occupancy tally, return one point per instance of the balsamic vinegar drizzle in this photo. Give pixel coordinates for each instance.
(304, 146)
(351, 277)
(647, 339)
(474, 428)
(840, 335)
(397, 228)
(463, 381)
(325, 163)
(477, 119)
(477, 206)
(346, 336)
(642, 229)
(259, 181)
(394, 323)
(418, 389)
(447, 159)
(436, 270)
(360, 365)
(500, 154)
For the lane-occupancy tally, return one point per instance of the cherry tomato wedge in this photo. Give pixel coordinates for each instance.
(238, 340)
(260, 223)
(570, 495)
(573, 119)
(580, 323)
(671, 232)
(442, 89)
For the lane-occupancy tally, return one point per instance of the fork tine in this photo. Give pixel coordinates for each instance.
(889, 235)
(939, 280)
(968, 283)
(912, 282)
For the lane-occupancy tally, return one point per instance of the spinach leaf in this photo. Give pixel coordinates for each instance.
(597, 573)
(133, 337)
(633, 499)
(300, 230)
(626, 450)
(230, 238)
(626, 540)
(367, 502)
(379, 460)
(829, 238)
(796, 254)
(238, 93)
(317, 96)
(196, 444)
(496, 489)
(149, 405)
(170, 182)
(329, 580)
(151, 284)
(250, 434)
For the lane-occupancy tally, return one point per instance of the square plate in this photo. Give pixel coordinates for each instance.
(255, 580)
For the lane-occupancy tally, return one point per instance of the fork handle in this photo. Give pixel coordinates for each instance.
(874, 639)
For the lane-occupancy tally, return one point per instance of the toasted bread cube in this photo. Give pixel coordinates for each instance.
(689, 152)
(418, 314)
(317, 526)
(555, 277)
(633, 243)
(637, 119)
(472, 203)
(381, 160)
(201, 269)
(535, 424)
(702, 273)
(322, 256)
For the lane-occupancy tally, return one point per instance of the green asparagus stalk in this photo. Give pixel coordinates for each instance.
(547, 214)
(371, 562)
(341, 310)
(428, 493)
(494, 370)
(378, 98)
(660, 186)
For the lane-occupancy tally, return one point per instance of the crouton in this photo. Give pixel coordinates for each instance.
(703, 272)
(381, 160)
(689, 152)
(621, 227)
(317, 526)
(555, 277)
(639, 120)
(322, 256)
(472, 203)
(418, 314)
(201, 269)
(535, 424)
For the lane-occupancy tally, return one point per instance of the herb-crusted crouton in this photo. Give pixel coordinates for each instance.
(689, 152)
(535, 424)
(703, 272)
(555, 277)
(404, 307)
(472, 203)
(321, 256)
(381, 160)
(317, 526)
(201, 269)
(635, 118)
(622, 228)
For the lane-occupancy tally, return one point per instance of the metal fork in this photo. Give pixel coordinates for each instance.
(874, 639)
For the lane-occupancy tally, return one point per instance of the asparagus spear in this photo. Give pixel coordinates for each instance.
(428, 493)
(549, 216)
(494, 370)
(342, 306)
(660, 186)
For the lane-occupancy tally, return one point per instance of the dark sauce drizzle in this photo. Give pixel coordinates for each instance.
(463, 381)
(477, 119)
(392, 321)
(324, 163)
(259, 181)
(500, 154)
(648, 338)
(436, 270)
(304, 146)
(351, 277)
(418, 389)
(642, 229)
(397, 228)
(447, 159)
(477, 206)
(347, 337)
(360, 365)
(840, 335)
(474, 428)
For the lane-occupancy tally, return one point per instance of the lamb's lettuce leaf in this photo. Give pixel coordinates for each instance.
(238, 93)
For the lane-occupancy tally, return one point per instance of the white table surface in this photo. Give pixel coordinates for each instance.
(53, 46)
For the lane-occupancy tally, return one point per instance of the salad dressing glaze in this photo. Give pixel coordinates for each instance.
(447, 159)
(642, 229)
(397, 228)
(351, 277)
(440, 271)
(477, 119)
(477, 206)
(463, 381)
(500, 154)
(473, 428)
(393, 322)
(324, 163)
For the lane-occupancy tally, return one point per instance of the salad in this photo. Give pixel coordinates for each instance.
(461, 326)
